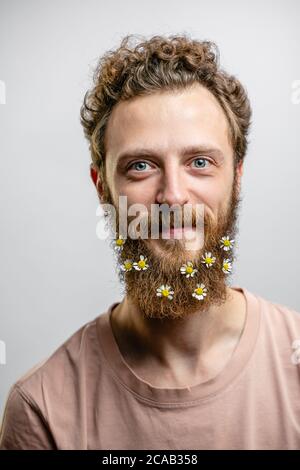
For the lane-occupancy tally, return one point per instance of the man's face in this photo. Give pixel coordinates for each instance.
(173, 148)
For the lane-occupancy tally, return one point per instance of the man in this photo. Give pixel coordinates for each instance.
(183, 361)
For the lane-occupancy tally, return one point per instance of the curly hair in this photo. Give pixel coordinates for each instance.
(161, 63)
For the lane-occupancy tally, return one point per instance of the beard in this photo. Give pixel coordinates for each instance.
(165, 258)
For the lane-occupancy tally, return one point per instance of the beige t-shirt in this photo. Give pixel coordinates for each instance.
(85, 396)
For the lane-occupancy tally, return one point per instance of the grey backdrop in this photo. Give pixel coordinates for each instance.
(55, 273)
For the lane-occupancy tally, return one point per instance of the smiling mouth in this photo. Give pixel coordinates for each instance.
(180, 232)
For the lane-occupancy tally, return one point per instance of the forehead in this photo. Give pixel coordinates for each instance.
(168, 121)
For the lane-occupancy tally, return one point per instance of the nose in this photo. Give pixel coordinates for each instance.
(172, 187)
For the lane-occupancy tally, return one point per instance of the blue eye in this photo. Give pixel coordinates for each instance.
(139, 166)
(201, 160)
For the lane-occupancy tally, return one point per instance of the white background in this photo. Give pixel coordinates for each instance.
(55, 274)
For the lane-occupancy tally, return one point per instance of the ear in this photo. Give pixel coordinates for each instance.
(95, 175)
(239, 173)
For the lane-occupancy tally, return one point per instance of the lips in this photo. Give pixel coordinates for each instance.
(180, 232)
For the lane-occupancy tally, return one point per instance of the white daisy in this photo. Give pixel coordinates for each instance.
(208, 259)
(141, 265)
(226, 243)
(119, 244)
(165, 291)
(127, 265)
(227, 266)
(200, 292)
(188, 269)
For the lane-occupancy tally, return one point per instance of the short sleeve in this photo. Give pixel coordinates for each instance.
(23, 425)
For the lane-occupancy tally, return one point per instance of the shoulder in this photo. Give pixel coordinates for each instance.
(281, 315)
(280, 327)
(65, 367)
(24, 426)
(40, 395)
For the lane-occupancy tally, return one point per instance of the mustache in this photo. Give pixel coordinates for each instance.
(164, 222)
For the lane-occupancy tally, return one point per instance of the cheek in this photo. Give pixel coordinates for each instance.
(214, 193)
(141, 193)
(209, 192)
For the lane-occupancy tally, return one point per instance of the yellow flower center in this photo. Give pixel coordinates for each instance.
(128, 265)
(209, 260)
(226, 267)
(227, 242)
(199, 291)
(189, 269)
(141, 263)
(119, 241)
(165, 292)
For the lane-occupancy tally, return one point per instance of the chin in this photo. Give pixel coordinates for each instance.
(173, 251)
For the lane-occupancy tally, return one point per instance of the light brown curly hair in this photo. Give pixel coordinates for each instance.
(161, 63)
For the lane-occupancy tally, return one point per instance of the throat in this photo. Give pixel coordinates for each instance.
(165, 359)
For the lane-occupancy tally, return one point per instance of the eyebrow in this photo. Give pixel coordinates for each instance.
(188, 150)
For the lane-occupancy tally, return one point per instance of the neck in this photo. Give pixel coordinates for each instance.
(189, 343)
